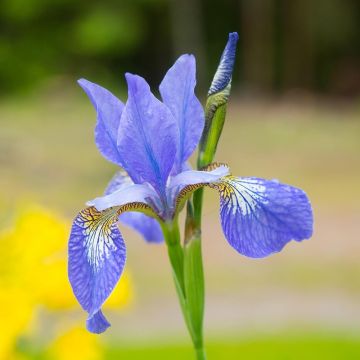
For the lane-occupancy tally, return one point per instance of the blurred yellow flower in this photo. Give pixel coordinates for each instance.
(33, 272)
(15, 314)
(76, 344)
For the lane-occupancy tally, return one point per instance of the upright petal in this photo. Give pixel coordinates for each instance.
(109, 109)
(259, 217)
(97, 257)
(147, 226)
(147, 136)
(177, 92)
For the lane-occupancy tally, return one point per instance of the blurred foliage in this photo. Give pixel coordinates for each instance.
(33, 280)
(302, 43)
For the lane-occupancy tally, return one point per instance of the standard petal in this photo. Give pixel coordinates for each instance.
(177, 92)
(97, 323)
(147, 226)
(147, 136)
(259, 217)
(224, 71)
(97, 257)
(109, 109)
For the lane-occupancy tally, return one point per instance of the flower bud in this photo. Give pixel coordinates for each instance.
(215, 109)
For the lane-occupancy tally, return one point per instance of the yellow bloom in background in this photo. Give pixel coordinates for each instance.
(76, 344)
(15, 314)
(33, 274)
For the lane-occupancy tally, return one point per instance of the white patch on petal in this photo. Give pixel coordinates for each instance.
(98, 242)
(244, 195)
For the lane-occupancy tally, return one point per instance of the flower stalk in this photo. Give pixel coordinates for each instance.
(189, 281)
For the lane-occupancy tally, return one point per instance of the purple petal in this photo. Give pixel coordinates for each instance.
(109, 109)
(96, 261)
(183, 184)
(259, 217)
(191, 177)
(177, 92)
(147, 136)
(97, 324)
(224, 71)
(120, 180)
(127, 194)
(147, 226)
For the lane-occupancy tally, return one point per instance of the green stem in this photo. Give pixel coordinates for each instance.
(194, 287)
(200, 354)
(188, 276)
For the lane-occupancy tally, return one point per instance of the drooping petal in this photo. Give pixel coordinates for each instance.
(96, 261)
(177, 92)
(184, 184)
(97, 323)
(224, 71)
(147, 136)
(109, 109)
(259, 217)
(147, 226)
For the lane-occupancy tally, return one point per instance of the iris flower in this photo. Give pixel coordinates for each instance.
(151, 141)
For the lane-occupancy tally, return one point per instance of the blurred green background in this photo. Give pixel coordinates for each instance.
(294, 115)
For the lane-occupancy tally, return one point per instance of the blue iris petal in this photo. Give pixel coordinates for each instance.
(259, 217)
(126, 194)
(96, 261)
(97, 323)
(147, 226)
(147, 136)
(109, 110)
(177, 92)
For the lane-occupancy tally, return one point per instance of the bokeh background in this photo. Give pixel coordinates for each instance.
(294, 115)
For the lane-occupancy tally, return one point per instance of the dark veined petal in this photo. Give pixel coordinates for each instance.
(147, 226)
(109, 109)
(259, 217)
(177, 92)
(147, 136)
(97, 257)
(224, 71)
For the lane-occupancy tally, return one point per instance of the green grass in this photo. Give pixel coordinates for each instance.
(283, 347)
